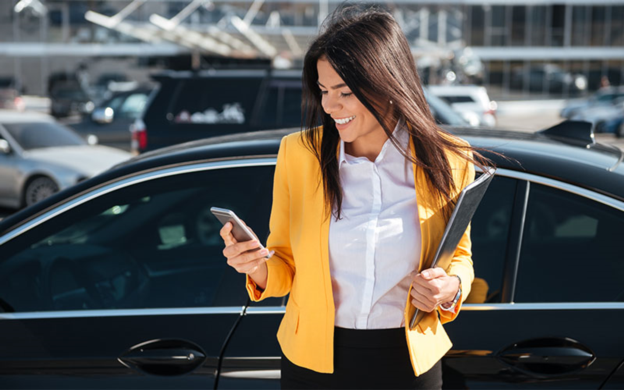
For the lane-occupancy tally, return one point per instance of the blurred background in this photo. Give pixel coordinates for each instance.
(505, 64)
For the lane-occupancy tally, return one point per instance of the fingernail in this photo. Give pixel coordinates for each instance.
(264, 252)
(270, 254)
(425, 274)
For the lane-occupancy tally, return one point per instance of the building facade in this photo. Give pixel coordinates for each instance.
(527, 49)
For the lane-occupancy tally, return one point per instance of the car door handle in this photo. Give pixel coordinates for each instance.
(164, 357)
(547, 356)
(178, 357)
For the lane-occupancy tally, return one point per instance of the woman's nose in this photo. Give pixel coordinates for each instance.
(330, 104)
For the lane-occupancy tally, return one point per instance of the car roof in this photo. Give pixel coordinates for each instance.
(596, 167)
(216, 73)
(457, 89)
(11, 116)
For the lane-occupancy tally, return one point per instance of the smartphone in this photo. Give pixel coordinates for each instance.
(239, 230)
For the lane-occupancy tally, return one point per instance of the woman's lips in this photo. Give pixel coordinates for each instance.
(342, 127)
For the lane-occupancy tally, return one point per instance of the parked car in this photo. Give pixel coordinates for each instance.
(108, 84)
(193, 105)
(604, 97)
(39, 157)
(120, 281)
(111, 121)
(10, 94)
(470, 100)
(69, 98)
(548, 78)
(606, 118)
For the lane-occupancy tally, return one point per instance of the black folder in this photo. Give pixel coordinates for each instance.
(466, 205)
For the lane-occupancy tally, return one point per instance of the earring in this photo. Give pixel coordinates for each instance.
(390, 101)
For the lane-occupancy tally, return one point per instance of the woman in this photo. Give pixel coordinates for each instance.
(359, 207)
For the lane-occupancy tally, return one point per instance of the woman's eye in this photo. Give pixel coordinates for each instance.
(323, 92)
(346, 94)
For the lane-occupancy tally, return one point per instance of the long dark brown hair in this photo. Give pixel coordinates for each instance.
(369, 51)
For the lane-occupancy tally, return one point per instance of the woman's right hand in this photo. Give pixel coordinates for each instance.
(245, 257)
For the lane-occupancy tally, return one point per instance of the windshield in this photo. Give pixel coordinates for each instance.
(36, 135)
(76, 94)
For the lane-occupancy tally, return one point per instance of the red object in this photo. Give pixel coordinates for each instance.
(139, 136)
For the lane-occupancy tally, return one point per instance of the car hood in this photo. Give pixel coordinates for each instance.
(90, 160)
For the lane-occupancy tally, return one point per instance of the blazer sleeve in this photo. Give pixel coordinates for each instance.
(461, 264)
(281, 266)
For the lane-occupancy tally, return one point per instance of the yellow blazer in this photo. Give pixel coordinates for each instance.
(300, 266)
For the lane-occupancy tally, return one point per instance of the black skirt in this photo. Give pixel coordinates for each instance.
(364, 359)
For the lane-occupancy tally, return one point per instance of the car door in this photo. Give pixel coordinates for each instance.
(557, 322)
(126, 286)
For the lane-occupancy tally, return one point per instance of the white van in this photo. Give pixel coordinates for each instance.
(468, 100)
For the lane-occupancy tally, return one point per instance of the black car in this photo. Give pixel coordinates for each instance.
(120, 281)
(193, 105)
(111, 120)
(70, 98)
(548, 78)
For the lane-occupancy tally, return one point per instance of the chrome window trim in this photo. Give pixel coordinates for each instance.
(36, 315)
(589, 194)
(490, 307)
(241, 310)
(265, 310)
(140, 178)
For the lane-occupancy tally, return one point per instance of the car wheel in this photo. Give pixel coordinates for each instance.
(39, 189)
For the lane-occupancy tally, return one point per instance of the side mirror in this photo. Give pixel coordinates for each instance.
(103, 116)
(5, 148)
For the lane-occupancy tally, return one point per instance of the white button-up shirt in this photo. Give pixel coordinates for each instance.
(376, 245)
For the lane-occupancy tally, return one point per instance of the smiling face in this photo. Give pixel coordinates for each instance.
(356, 125)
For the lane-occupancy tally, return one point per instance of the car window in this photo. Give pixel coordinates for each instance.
(133, 106)
(282, 104)
(490, 237)
(154, 244)
(457, 99)
(36, 135)
(215, 100)
(115, 103)
(442, 112)
(571, 250)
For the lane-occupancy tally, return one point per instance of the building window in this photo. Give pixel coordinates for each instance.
(598, 26)
(537, 23)
(477, 24)
(617, 26)
(557, 24)
(580, 24)
(499, 26)
(518, 25)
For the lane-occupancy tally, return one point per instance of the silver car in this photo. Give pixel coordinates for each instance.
(39, 157)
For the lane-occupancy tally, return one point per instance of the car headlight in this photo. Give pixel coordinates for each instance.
(88, 107)
(580, 82)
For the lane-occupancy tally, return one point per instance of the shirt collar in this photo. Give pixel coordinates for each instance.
(399, 132)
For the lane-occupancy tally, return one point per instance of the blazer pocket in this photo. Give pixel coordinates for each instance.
(291, 318)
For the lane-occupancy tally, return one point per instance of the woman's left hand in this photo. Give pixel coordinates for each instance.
(433, 287)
